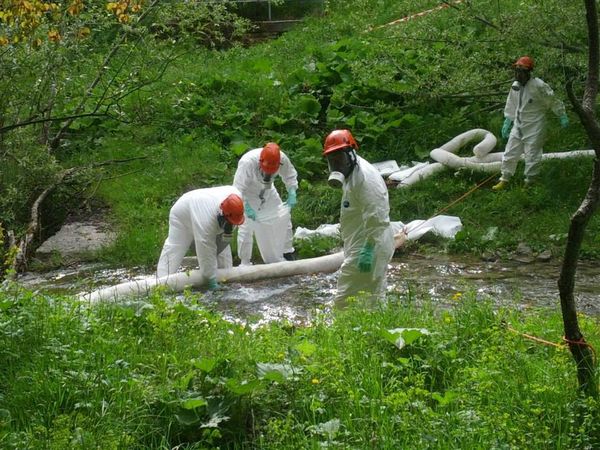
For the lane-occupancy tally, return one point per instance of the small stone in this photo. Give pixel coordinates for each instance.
(524, 249)
(545, 256)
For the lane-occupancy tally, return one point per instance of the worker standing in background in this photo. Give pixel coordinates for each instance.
(269, 219)
(364, 217)
(529, 99)
(207, 217)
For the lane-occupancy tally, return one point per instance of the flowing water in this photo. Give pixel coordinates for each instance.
(441, 278)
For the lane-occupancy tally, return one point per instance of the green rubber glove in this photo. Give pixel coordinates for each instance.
(506, 128)
(249, 211)
(564, 121)
(365, 258)
(213, 285)
(291, 199)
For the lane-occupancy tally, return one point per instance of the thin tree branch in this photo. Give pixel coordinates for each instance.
(50, 119)
(110, 162)
(101, 71)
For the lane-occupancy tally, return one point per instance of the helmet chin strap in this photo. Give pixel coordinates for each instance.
(353, 160)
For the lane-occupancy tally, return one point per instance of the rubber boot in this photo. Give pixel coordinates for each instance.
(500, 185)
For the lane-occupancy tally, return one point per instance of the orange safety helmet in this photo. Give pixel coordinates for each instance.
(233, 209)
(270, 158)
(524, 62)
(339, 140)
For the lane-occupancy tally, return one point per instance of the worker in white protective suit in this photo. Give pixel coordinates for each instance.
(269, 219)
(364, 217)
(207, 217)
(528, 102)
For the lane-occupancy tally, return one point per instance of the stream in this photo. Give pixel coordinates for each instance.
(441, 278)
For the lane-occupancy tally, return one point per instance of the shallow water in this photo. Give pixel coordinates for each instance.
(298, 299)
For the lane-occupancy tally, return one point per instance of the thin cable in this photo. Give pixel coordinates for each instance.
(448, 206)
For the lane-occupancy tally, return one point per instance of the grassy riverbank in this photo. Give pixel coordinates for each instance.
(163, 374)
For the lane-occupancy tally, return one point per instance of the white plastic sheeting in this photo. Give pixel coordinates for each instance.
(444, 226)
(386, 168)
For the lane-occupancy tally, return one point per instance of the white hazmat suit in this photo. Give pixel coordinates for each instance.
(195, 217)
(527, 106)
(273, 224)
(364, 217)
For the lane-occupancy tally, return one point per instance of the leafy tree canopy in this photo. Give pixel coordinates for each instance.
(33, 20)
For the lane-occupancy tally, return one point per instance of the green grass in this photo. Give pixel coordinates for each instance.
(158, 373)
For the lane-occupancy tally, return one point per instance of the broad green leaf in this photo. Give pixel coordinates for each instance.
(239, 148)
(401, 337)
(306, 348)
(308, 104)
(193, 403)
(205, 364)
(243, 387)
(275, 372)
(274, 122)
(187, 417)
(410, 336)
(446, 399)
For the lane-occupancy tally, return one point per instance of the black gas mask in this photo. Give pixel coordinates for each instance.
(522, 75)
(226, 227)
(266, 177)
(341, 164)
(224, 238)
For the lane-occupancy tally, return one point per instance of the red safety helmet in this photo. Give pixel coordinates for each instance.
(339, 140)
(524, 62)
(270, 158)
(233, 209)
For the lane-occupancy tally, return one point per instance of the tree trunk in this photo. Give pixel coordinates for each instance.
(581, 351)
(23, 247)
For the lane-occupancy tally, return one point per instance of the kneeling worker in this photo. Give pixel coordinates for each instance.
(207, 217)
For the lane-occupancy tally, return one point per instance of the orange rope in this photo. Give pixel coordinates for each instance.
(554, 344)
(583, 343)
(445, 208)
(419, 14)
(448, 206)
(534, 338)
